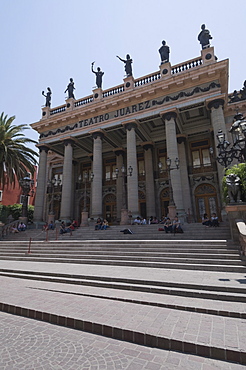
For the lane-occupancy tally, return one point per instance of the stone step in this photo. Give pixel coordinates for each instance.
(191, 231)
(195, 254)
(221, 260)
(185, 290)
(163, 265)
(137, 322)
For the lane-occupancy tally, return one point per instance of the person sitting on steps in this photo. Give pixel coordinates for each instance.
(168, 225)
(98, 224)
(176, 227)
(205, 220)
(214, 220)
(105, 225)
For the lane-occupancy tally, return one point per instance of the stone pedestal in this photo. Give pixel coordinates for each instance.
(97, 93)
(45, 112)
(129, 83)
(69, 104)
(165, 70)
(235, 212)
(208, 56)
(172, 211)
(24, 220)
(84, 219)
(51, 217)
(124, 217)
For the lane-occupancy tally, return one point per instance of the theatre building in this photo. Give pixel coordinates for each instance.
(174, 113)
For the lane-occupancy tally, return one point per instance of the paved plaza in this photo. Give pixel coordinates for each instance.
(90, 297)
(30, 344)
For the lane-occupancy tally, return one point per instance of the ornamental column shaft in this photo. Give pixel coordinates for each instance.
(41, 185)
(184, 175)
(218, 123)
(172, 153)
(132, 181)
(149, 181)
(119, 183)
(66, 199)
(96, 203)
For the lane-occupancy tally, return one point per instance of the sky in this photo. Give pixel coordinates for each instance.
(46, 42)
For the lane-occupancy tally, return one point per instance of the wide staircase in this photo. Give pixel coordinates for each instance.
(183, 292)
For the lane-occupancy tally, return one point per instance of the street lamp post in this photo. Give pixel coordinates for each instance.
(228, 152)
(27, 185)
(124, 210)
(84, 213)
(171, 207)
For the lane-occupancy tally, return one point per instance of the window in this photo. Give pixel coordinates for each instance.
(109, 170)
(141, 169)
(1, 195)
(200, 154)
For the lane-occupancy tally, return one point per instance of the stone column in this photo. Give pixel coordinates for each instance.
(172, 153)
(119, 182)
(96, 203)
(218, 123)
(132, 181)
(41, 185)
(66, 200)
(184, 175)
(149, 180)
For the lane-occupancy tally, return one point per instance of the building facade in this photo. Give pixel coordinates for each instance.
(173, 113)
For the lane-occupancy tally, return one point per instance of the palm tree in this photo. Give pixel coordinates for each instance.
(16, 158)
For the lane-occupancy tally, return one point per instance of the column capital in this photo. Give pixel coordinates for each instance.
(97, 134)
(68, 141)
(43, 148)
(169, 115)
(181, 139)
(216, 103)
(130, 125)
(119, 151)
(147, 145)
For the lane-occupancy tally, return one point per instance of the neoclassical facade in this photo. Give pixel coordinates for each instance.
(175, 112)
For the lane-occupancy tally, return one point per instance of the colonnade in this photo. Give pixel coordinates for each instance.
(181, 191)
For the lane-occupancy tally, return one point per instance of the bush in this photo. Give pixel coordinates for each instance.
(240, 171)
(15, 211)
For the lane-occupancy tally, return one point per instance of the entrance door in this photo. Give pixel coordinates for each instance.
(206, 201)
(164, 202)
(142, 204)
(109, 211)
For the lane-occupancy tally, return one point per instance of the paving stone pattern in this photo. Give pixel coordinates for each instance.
(30, 344)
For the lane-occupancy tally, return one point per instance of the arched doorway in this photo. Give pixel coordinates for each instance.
(109, 212)
(142, 204)
(164, 198)
(206, 200)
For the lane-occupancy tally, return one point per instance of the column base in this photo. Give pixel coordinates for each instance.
(172, 211)
(24, 220)
(124, 219)
(51, 217)
(84, 219)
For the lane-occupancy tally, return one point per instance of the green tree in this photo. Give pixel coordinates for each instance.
(240, 171)
(16, 157)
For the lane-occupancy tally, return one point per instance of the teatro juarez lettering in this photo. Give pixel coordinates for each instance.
(116, 114)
